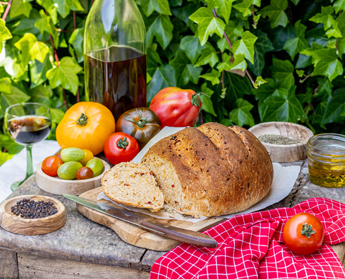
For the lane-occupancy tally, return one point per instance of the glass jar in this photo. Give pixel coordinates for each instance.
(326, 160)
(115, 55)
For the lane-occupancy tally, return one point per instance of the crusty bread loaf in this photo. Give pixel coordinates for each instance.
(211, 170)
(133, 185)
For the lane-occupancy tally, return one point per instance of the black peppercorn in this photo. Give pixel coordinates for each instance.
(30, 209)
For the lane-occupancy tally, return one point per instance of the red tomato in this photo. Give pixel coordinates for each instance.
(303, 234)
(51, 164)
(120, 147)
(177, 107)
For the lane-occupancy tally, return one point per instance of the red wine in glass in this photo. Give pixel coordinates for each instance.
(29, 129)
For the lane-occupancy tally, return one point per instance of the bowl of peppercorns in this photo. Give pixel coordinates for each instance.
(32, 215)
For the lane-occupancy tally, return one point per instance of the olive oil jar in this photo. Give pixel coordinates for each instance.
(326, 160)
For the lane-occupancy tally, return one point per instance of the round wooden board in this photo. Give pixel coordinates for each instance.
(133, 234)
(18, 225)
(56, 185)
(284, 153)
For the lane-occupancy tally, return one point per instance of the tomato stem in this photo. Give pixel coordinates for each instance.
(82, 121)
(141, 122)
(307, 230)
(196, 101)
(122, 143)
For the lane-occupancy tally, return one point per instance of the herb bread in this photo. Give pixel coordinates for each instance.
(133, 185)
(211, 170)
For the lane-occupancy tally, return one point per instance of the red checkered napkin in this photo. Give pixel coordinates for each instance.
(251, 246)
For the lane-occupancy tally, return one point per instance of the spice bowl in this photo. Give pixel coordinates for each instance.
(19, 225)
(285, 152)
(56, 185)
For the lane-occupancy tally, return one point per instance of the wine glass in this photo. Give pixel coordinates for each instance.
(27, 124)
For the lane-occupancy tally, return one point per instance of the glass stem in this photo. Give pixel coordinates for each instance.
(29, 169)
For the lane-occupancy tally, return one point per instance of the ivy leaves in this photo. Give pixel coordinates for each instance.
(5, 34)
(208, 24)
(184, 71)
(65, 75)
(245, 46)
(327, 63)
(160, 6)
(296, 45)
(65, 6)
(276, 13)
(31, 49)
(223, 7)
(161, 28)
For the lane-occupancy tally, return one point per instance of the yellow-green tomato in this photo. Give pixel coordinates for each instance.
(96, 165)
(72, 154)
(69, 170)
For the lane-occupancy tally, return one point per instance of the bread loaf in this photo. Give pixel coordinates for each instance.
(133, 185)
(211, 170)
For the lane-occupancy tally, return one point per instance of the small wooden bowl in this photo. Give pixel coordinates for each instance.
(60, 186)
(18, 225)
(284, 153)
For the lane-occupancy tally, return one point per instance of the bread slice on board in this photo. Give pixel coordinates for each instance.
(133, 185)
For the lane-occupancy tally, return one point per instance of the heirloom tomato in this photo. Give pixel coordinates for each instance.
(303, 234)
(120, 147)
(86, 125)
(177, 107)
(51, 164)
(140, 123)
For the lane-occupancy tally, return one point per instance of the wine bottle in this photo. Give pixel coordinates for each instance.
(115, 55)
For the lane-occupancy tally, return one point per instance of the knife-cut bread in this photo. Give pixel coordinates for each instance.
(133, 185)
(211, 170)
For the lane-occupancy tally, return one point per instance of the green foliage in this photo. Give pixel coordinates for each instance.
(254, 60)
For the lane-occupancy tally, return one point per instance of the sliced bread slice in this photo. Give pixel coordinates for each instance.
(133, 185)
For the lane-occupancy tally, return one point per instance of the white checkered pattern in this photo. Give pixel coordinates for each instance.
(251, 246)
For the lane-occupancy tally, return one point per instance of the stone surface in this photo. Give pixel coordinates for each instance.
(82, 240)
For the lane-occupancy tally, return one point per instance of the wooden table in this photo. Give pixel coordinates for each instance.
(83, 249)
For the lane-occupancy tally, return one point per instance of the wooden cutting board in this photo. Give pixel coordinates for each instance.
(135, 235)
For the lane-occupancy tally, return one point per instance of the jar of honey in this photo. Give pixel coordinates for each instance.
(326, 160)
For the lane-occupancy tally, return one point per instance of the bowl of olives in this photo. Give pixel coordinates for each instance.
(71, 171)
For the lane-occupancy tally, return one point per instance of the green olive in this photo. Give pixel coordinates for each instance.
(72, 154)
(69, 170)
(96, 165)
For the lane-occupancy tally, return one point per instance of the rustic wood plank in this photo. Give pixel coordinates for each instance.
(8, 264)
(339, 249)
(134, 235)
(31, 266)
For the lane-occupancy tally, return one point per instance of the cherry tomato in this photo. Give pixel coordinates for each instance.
(51, 164)
(120, 147)
(88, 156)
(303, 234)
(84, 173)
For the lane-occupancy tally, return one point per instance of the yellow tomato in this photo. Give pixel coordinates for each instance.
(86, 125)
(88, 156)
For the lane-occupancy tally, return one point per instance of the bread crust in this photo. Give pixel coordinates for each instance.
(222, 170)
